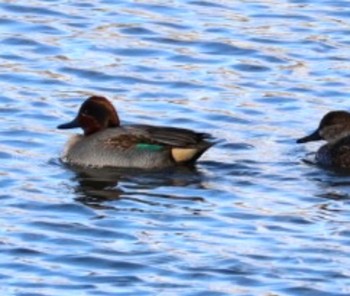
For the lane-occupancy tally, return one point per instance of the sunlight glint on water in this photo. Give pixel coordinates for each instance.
(250, 219)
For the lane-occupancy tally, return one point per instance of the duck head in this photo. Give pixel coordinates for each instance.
(95, 114)
(334, 126)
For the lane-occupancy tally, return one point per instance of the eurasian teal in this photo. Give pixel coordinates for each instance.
(107, 143)
(335, 129)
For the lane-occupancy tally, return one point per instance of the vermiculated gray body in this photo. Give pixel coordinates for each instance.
(115, 147)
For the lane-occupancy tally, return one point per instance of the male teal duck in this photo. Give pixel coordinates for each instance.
(106, 143)
(335, 129)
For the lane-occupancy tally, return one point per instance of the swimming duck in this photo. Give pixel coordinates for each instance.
(335, 129)
(107, 143)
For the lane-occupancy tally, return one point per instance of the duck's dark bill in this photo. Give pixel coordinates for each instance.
(73, 124)
(315, 136)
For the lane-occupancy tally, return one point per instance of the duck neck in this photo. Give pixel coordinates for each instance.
(338, 137)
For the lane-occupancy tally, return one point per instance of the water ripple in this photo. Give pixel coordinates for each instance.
(254, 217)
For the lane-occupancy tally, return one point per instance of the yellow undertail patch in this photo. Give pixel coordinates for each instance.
(183, 154)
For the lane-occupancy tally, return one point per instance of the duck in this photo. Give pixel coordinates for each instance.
(105, 142)
(334, 128)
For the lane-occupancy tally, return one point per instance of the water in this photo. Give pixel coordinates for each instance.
(250, 219)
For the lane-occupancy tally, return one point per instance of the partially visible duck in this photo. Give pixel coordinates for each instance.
(335, 129)
(106, 142)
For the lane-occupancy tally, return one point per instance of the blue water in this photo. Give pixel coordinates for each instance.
(252, 218)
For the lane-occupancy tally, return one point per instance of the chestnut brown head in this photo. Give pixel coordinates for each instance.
(95, 114)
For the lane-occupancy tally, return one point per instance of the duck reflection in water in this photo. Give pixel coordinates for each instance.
(98, 185)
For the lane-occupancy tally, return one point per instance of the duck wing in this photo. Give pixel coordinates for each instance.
(170, 136)
(181, 145)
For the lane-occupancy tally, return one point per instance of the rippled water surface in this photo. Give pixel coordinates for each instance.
(250, 219)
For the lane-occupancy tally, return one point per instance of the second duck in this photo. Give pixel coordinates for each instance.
(335, 129)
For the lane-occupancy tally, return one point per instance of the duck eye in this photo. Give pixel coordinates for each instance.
(85, 112)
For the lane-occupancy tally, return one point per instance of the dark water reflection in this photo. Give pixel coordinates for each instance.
(251, 218)
(99, 185)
